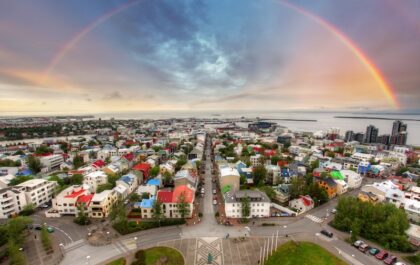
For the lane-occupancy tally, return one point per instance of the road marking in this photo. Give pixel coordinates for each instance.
(314, 218)
(348, 257)
(62, 231)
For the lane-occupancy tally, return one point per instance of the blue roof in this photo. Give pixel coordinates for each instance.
(126, 179)
(155, 182)
(147, 203)
(26, 172)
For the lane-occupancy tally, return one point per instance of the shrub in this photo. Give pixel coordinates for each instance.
(125, 227)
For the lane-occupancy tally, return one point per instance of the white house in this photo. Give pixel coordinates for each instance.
(66, 202)
(353, 179)
(38, 191)
(259, 204)
(94, 179)
(101, 203)
(12, 201)
(52, 161)
(342, 186)
(302, 204)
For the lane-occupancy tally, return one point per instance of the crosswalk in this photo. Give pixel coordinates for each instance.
(314, 218)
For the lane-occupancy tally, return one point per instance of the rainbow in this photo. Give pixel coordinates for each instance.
(358, 52)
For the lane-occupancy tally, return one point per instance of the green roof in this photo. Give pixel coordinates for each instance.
(226, 188)
(336, 175)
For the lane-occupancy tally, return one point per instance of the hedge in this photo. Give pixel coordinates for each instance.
(128, 227)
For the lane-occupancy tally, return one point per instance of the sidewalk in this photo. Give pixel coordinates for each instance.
(35, 253)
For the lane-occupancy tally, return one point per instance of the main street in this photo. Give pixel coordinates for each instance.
(304, 227)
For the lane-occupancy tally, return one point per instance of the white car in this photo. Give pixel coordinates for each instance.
(334, 211)
(399, 263)
(214, 202)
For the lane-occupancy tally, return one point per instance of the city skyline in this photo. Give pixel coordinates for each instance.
(77, 57)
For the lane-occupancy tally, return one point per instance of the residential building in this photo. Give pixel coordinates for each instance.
(329, 185)
(101, 203)
(52, 161)
(66, 202)
(38, 191)
(255, 160)
(412, 208)
(342, 186)
(94, 179)
(171, 200)
(302, 204)
(12, 201)
(129, 181)
(186, 177)
(353, 179)
(229, 179)
(142, 171)
(259, 204)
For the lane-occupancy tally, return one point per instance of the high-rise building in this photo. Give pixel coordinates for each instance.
(399, 133)
(349, 136)
(359, 137)
(384, 139)
(397, 127)
(371, 134)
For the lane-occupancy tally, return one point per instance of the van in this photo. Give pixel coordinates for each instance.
(364, 248)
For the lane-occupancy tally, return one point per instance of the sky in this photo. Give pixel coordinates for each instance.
(176, 55)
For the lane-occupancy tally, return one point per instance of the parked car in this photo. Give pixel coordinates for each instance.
(327, 233)
(382, 255)
(373, 251)
(358, 243)
(50, 229)
(399, 263)
(214, 191)
(333, 211)
(390, 260)
(45, 205)
(37, 227)
(364, 248)
(214, 202)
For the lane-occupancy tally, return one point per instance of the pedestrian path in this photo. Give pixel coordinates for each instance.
(314, 218)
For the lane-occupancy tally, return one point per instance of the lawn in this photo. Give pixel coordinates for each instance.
(120, 261)
(151, 256)
(415, 259)
(303, 253)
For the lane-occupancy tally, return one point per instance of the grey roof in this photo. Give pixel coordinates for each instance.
(253, 195)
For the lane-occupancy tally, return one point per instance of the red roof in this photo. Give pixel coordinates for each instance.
(85, 199)
(270, 152)
(144, 167)
(306, 200)
(129, 156)
(75, 194)
(43, 155)
(183, 190)
(165, 196)
(99, 163)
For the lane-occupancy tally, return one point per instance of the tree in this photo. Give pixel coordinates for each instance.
(78, 161)
(183, 206)
(76, 179)
(314, 164)
(16, 256)
(157, 210)
(297, 187)
(145, 195)
(134, 197)
(43, 149)
(82, 217)
(34, 164)
(102, 187)
(112, 179)
(16, 226)
(259, 174)
(245, 207)
(117, 213)
(269, 191)
(274, 160)
(154, 171)
(20, 179)
(167, 178)
(182, 161)
(45, 239)
(28, 209)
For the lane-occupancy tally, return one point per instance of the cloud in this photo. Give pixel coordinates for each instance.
(114, 95)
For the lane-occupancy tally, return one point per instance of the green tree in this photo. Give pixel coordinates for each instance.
(157, 210)
(43, 149)
(297, 187)
(117, 213)
(20, 179)
(34, 164)
(76, 179)
(16, 256)
(78, 161)
(154, 171)
(167, 178)
(112, 179)
(274, 160)
(102, 187)
(259, 174)
(45, 239)
(182, 161)
(183, 206)
(269, 191)
(28, 209)
(145, 195)
(82, 217)
(16, 226)
(134, 197)
(245, 207)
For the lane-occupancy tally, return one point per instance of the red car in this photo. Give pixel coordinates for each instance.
(382, 255)
(390, 260)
